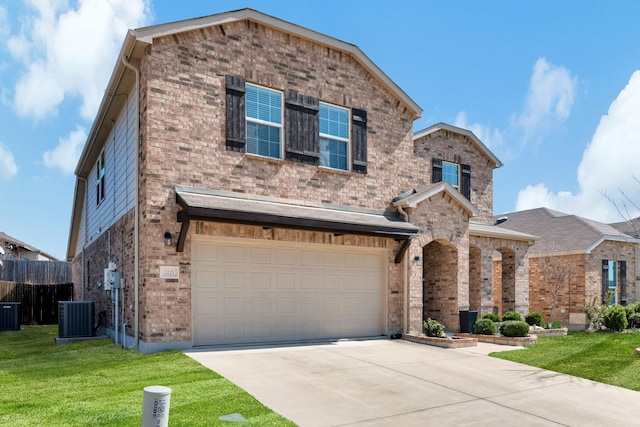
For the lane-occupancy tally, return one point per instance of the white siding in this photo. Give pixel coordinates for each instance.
(120, 163)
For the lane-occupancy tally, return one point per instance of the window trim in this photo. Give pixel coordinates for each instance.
(280, 126)
(346, 141)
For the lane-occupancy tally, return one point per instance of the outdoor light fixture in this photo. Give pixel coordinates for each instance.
(168, 241)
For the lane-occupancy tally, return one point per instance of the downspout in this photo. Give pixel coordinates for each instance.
(136, 231)
(86, 229)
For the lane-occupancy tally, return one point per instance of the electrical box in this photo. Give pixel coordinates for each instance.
(115, 279)
(108, 279)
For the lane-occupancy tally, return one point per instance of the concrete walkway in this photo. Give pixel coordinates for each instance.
(399, 383)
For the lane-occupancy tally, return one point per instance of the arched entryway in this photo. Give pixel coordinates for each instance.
(440, 283)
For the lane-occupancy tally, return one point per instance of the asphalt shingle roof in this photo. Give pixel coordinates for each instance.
(560, 232)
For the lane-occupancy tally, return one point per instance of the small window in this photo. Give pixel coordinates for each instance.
(451, 174)
(264, 121)
(334, 136)
(100, 172)
(612, 282)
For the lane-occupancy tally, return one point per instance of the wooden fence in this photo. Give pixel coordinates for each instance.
(38, 303)
(36, 272)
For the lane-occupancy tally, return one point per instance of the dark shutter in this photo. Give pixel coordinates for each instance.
(605, 281)
(359, 140)
(302, 121)
(436, 170)
(623, 282)
(465, 184)
(235, 105)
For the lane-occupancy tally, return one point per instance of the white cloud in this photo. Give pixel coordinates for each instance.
(70, 52)
(67, 152)
(609, 164)
(492, 138)
(8, 168)
(550, 97)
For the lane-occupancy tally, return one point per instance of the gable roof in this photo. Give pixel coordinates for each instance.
(413, 198)
(631, 227)
(132, 50)
(19, 244)
(562, 233)
(474, 139)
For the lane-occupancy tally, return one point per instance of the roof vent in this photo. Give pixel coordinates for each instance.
(501, 219)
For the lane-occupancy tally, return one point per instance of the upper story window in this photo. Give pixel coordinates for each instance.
(451, 173)
(294, 126)
(264, 121)
(100, 172)
(334, 136)
(458, 175)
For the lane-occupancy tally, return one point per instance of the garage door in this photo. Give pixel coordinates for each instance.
(267, 292)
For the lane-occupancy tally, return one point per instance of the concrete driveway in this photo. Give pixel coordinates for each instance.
(399, 383)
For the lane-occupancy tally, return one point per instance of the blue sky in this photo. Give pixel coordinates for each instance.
(553, 88)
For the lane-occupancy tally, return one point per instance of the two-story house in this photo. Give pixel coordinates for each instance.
(255, 181)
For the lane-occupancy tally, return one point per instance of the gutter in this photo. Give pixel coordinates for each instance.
(136, 232)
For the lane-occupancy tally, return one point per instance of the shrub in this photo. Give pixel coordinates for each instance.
(514, 328)
(533, 318)
(556, 324)
(630, 311)
(492, 316)
(615, 318)
(595, 313)
(485, 326)
(511, 315)
(432, 328)
(634, 320)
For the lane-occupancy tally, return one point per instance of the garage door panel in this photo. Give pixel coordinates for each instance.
(269, 292)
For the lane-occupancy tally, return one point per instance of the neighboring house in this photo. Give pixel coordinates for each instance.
(583, 260)
(255, 181)
(632, 228)
(14, 249)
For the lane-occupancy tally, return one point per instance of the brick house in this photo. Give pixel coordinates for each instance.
(587, 259)
(255, 181)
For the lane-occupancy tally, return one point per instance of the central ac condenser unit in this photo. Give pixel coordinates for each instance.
(75, 319)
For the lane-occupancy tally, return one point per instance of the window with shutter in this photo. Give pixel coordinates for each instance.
(359, 140)
(605, 281)
(235, 110)
(263, 109)
(334, 136)
(100, 173)
(623, 282)
(302, 128)
(465, 181)
(436, 170)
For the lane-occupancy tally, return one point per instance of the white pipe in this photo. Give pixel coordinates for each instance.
(136, 232)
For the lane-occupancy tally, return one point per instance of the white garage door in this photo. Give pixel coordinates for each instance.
(248, 291)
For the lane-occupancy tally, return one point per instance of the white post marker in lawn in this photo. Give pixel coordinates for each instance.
(155, 406)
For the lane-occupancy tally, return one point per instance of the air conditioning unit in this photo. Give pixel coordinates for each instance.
(75, 319)
(10, 316)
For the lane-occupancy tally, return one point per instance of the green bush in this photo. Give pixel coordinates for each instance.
(432, 328)
(533, 318)
(492, 316)
(511, 315)
(630, 311)
(634, 320)
(556, 324)
(615, 318)
(514, 328)
(485, 326)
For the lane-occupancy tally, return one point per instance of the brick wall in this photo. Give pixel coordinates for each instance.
(457, 148)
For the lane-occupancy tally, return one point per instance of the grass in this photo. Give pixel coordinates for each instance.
(94, 383)
(608, 358)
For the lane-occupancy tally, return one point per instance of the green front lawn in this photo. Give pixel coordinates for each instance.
(608, 358)
(94, 383)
